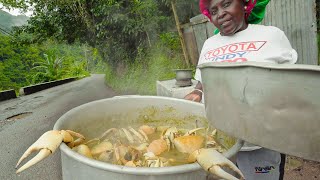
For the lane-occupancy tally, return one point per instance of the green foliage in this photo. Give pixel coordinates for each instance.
(78, 69)
(16, 63)
(156, 65)
(82, 36)
(22, 65)
(318, 38)
(49, 69)
(5, 81)
(23, 4)
(171, 40)
(116, 28)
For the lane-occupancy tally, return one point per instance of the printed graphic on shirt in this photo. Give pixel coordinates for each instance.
(235, 52)
(263, 170)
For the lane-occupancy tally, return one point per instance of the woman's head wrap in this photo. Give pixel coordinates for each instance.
(258, 10)
(254, 12)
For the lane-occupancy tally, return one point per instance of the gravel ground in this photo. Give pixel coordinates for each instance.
(299, 169)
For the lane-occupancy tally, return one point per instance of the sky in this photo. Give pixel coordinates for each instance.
(15, 12)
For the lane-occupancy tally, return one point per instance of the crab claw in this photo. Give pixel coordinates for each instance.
(46, 145)
(212, 161)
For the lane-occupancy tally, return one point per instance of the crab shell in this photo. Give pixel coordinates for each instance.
(188, 144)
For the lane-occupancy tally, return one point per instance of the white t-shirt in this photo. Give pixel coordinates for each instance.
(256, 43)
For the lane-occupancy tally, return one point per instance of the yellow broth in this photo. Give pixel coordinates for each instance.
(173, 156)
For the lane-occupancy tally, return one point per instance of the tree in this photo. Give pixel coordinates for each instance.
(16, 62)
(118, 28)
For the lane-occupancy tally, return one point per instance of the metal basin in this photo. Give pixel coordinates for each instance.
(274, 106)
(94, 118)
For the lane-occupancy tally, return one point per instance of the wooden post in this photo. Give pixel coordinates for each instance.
(184, 49)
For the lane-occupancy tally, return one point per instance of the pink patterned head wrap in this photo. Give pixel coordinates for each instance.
(205, 3)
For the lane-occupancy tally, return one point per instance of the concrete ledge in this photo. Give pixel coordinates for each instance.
(39, 87)
(169, 89)
(6, 95)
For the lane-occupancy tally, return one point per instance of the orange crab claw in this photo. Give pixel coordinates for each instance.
(46, 145)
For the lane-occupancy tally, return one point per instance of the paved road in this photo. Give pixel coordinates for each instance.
(41, 110)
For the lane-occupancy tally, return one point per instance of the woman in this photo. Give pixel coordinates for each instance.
(240, 40)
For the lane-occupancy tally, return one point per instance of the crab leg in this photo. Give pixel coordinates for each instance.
(43, 153)
(128, 135)
(144, 135)
(214, 132)
(117, 153)
(46, 145)
(95, 140)
(43, 144)
(101, 147)
(193, 131)
(141, 147)
(72, 133)
(169, 135)
(77, 142)
(137, 134)
(212, 161)
(107, 132)
(147, 129)
(84, 150)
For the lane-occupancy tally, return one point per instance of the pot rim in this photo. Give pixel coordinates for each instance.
(265, 65)
(124, 169)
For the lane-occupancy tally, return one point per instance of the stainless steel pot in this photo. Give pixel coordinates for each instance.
(271, 105)
(93, 118)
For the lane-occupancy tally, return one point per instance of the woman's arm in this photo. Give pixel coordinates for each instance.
(195, 95)
(282, 51)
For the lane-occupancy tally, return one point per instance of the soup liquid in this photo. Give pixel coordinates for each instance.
(176, 157)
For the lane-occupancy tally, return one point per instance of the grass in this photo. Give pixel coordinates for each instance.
(318, 37)
(140, 77)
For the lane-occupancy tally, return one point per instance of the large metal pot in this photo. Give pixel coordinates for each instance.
(274, 106)
(93, 118)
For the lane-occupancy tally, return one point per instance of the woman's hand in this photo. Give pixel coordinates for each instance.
(195, 95)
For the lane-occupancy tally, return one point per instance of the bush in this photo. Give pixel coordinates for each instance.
(25, 64)
(140, 77)
(319, 48)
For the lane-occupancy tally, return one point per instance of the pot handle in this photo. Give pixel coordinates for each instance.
(234, 149)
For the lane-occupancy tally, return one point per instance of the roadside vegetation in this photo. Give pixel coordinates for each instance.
(23, 65)
(140, 77)
(135, 43)
(319, 47)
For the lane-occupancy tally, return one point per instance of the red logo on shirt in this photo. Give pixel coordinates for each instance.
(234, 52)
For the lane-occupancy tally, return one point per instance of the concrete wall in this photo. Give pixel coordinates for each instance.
(6, 95)
(10, 94)
(39, 87)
